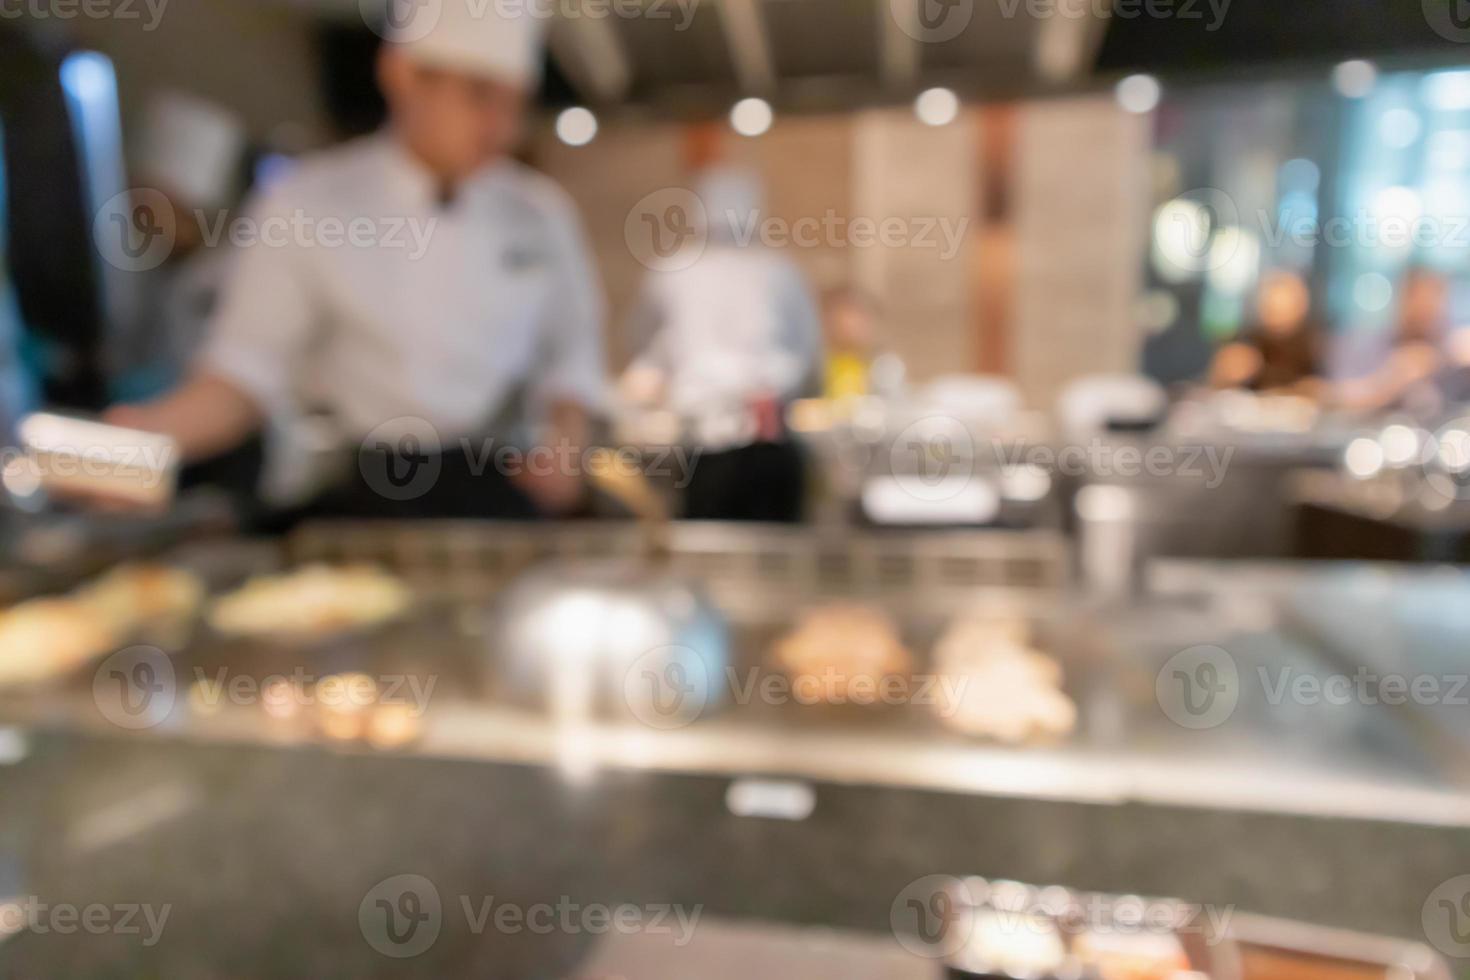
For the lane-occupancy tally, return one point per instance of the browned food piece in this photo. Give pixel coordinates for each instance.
(842, 650)
(311, 601)
(50, 637)
(1132, 956)
(132, 596)
(997, 686)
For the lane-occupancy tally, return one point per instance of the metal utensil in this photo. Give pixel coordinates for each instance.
(612, 638)
(80, 458)
(620, 637)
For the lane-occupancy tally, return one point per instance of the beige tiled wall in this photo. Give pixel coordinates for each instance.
(873, 165)
(809, 168)
(1081, 211)
(925, 175)
(1078, 213)
(607, 179)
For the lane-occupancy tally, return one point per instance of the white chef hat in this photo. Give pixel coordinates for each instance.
(501, 39)
(190, 147)
(732, 198)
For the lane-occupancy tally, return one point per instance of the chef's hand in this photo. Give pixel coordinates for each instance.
(108, 505)
(642, 385)
(96, 497)
(139, 417)
(99, 502)
(559, 490)
(555, 493)
(99, 496)
(206, 415)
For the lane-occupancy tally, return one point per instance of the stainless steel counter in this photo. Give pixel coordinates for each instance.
(1271, 752)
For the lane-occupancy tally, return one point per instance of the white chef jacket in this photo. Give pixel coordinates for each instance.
(496, 296)
(736, 325)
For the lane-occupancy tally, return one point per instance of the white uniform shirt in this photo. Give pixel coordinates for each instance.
(736, 325)
(366, 292)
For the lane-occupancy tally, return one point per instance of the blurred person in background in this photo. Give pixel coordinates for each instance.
(726, 343)
(188, 156)
(1281, 352)
(189, 152)
(473, 300)
(848, 326)
(855, 366)
(1416, 354)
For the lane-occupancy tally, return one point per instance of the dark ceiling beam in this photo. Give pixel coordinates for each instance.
(750, 45)
(590, 53)
(1067, 47)
(899, 54)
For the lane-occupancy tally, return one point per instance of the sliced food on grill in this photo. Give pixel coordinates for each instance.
(312, 601)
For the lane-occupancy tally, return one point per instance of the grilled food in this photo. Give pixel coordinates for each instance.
(998, 686)
(131, 597)
(49, 637)
(842, 651)
(312, 601)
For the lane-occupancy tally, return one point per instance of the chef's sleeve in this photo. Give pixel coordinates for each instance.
(574, 366)
(266, 313)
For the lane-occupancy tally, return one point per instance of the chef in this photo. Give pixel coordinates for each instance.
(190, 152)
(1282, 353)
(1415, 356)
(189, 155)
(418, 288)
(727, 340)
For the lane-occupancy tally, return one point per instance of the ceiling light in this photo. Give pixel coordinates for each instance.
(751, 117)
(1139, 93)
(1354, 79)
(576, 126)
(937, 107)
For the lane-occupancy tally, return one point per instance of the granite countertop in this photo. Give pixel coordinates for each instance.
(264, 857)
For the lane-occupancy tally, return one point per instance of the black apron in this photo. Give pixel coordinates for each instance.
(765, 481)
(406, 482)
(401, 484)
